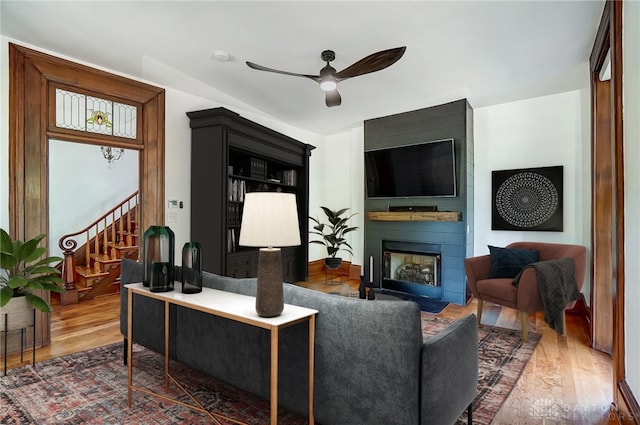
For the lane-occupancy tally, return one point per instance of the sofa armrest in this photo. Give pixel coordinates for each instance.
(449, 380)
(477, 268)
(130, 272)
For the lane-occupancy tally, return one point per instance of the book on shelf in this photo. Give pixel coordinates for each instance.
(288, 177)
(236, 190)
(234, 213)
(256, 168)
(231, 240)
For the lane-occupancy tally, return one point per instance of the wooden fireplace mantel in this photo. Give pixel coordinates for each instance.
(414, 215)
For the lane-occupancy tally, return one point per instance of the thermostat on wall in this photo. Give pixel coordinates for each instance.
(173, 203)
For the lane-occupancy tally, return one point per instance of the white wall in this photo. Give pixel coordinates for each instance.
(339, 170)
(631, 112)
(539, 132)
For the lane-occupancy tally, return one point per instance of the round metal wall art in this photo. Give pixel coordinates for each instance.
(527, 199)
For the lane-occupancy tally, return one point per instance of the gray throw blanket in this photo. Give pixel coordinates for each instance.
(557, 286)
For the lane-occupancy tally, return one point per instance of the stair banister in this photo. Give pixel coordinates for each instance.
(68, 244)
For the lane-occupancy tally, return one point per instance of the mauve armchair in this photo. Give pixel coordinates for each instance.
(525, 297)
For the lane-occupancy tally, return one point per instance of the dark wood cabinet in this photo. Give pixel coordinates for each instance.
(231, 156)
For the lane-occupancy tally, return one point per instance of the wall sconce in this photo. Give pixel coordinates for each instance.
(111, 154)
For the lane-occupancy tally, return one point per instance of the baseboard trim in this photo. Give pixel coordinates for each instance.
(347, 269)
(629, 413)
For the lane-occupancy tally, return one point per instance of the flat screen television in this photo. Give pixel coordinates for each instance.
(423, 169)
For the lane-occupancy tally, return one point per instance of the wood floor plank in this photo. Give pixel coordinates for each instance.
(565, 382)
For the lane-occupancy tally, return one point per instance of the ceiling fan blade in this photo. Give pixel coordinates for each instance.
(332, 98)
(252, 65)
(372, 63)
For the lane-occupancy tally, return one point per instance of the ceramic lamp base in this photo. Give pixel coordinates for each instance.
(269, 293)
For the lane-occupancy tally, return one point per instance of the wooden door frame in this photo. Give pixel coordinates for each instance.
(607, 124)
(604, 234)
(31, 74)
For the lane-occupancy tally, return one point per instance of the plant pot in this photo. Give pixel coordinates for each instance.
(333, 263)
(19, 314)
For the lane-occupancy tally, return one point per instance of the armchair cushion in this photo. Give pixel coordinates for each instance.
(508, 262)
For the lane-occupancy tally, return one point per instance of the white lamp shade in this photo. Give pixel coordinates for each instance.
(270, 219)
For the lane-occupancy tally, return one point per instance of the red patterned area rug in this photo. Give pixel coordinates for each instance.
(502, 356)
(91, 387)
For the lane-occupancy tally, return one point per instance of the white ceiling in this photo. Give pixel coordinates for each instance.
(490, 52)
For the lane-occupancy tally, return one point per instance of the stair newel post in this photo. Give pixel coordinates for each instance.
(70, 296)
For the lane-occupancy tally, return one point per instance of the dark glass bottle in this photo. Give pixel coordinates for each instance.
(191, 268)
(371, 295)
(158, 253)
(363, 288)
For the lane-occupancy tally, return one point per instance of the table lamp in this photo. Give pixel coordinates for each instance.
(269, 221)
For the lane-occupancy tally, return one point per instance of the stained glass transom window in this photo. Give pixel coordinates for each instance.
(95, 115)
(124, 120)
(70, 110)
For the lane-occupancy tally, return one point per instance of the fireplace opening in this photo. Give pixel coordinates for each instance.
(422, 269)
(412, 267)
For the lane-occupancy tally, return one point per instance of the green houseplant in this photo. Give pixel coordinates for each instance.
(332, 234)
(22, 271)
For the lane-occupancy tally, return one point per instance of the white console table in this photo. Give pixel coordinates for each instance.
(240, 308)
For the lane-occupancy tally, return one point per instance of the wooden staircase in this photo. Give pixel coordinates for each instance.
(93, 268)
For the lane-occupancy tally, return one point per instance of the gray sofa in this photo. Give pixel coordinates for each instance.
(371, 363)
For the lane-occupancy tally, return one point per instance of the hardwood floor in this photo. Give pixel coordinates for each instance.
(78, 327)
(565, 383)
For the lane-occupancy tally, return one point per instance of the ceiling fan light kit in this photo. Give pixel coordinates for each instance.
(328, 85)
(328, 78)
(221, 56)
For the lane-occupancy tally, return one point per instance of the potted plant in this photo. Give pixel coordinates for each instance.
(332, 234)
(22, 271)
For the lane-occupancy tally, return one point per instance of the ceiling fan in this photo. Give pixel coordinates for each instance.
(329, 78)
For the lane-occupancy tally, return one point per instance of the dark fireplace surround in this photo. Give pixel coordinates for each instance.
(405, 226)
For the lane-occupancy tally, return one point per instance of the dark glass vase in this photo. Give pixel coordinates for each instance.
(192, 268)
(161, 277)
(158, 253)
